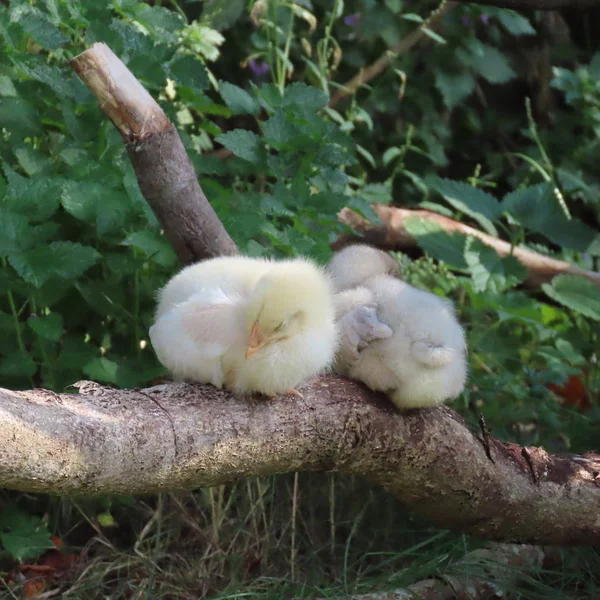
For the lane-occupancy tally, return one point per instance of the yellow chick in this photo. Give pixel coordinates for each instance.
(250, 325)
(423, 362)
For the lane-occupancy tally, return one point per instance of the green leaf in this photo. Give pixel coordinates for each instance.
(13, 232)
(75, 353)
(489, 271)
(189, 71)
(576, 293)
(50, 327)
(7, 87)
(36, 24)
(537, 209)
(243, 143)
(95, 203)
(279, 132)
(304, 96)
(18, 364)
(362, 207)
(237, 99)
(433, 35)
(222, 14)
(19, 117)
(37, 198)
(455, 88)
(66, 260)
(153, 245)
(32, 161)
(471, 201)
(23, 536)
(377, 193)
(487, 61)
(102, 369)
(437, 242)
(514, 22)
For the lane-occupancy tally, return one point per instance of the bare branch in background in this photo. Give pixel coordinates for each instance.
(162, 167)
(389, 56)
(393, 235)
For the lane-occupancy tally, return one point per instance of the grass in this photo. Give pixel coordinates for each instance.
(237, 541)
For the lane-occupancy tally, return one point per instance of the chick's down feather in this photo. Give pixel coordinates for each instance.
(423, 361)
(250, 325)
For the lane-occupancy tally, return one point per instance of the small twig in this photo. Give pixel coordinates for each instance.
(525, 454)
(389, 56)
(485, 433)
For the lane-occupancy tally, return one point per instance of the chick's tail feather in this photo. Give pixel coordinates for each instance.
(431, 355)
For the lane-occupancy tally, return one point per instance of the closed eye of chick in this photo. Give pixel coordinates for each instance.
(250, 325)
(423, 362)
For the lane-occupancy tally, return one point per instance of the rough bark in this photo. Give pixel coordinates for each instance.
(484, 574)
(184, 436)
(163, 169)
(393, 235)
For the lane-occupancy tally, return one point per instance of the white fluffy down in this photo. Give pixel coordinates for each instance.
(423, 362)
(204, 316)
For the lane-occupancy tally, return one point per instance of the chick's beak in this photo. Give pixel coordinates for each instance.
(255, 343)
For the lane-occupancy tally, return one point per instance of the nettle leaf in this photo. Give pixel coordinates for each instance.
(153, 246)
(576, 293)
(513, 22)
(377, 193)
(243, 143)
(102, 369)
(304, 96)
(471, 201)
(36, 24)
(7, 87)
(95, 203)
(537, 209)
(66, 260)
(454, 87)
(189, 71)
(487, 61)
(23, 536)
(281, 133)
(17, 364)
(158, 19)
(37, 198)
(13, 232)
(437, 242)
(238, 99)
(359, 205)
(19, 117)
(75, 353)
(49, 327)
(489, 271)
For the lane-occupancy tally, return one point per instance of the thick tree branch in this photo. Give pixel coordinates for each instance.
(162, 167)
(393, 235)
(185, 436)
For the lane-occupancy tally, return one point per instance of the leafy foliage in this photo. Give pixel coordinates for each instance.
(445, 128)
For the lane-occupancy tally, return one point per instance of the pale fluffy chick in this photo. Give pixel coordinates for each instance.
(251, 325)
(353, 265)
(423, 362)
